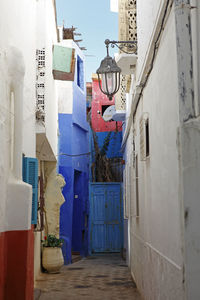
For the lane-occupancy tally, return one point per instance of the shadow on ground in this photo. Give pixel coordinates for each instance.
(94, 278)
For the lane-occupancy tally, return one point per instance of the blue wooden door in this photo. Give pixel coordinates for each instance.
(106, 223)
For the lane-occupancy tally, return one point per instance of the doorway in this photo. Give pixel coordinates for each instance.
(106, 217)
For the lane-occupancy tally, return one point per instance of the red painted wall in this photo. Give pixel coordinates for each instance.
(2, 265)
(16, 265)
(99, 99)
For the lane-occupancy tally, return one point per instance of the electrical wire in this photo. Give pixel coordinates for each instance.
(81, 154)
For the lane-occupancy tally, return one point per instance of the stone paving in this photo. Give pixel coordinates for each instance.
(98, 277)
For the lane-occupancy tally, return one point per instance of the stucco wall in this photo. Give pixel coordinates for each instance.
(17, 135)
(46, 33)
(73, 142)
(72, 98)
(149, 11)
(26, 47)
(190, 166)
(99, 99)
(65, 94)
(156, 256)
(46, 36)
(51, 96)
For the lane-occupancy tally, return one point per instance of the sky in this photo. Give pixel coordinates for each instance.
(95, 22)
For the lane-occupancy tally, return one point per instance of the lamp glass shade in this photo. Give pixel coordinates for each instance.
(109, 77)
(108, 82)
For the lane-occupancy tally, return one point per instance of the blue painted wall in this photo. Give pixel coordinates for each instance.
(74, 141)
(114, 145)
(113, 150)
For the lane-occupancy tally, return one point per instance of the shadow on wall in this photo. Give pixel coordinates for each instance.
(66, 249)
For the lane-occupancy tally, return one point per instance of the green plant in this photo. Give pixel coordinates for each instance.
(52, 241)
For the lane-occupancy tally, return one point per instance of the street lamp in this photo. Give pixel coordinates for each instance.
(109, 77)
(109, 72)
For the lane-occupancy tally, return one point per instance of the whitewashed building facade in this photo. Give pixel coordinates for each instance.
(28, 31)
(161, 145)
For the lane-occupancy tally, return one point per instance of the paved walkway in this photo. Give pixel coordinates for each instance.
(99, 277)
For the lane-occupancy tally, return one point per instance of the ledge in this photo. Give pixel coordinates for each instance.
(120, 115)
(127, 62)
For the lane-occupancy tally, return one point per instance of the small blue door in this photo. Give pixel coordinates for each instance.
(106, 223)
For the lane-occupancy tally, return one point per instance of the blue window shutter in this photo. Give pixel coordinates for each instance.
(30, 175)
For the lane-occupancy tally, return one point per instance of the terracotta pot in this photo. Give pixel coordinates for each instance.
(52, 259)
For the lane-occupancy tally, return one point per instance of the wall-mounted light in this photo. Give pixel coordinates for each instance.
(109, 72)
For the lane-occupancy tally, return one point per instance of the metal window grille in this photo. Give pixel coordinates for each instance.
(40, 84)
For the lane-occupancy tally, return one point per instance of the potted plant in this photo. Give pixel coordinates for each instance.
(52, 257)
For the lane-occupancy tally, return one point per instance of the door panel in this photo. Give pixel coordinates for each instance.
(106, 217)
(99, 237)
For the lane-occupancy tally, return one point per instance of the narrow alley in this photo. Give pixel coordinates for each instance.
(101, 276)
(99, 149)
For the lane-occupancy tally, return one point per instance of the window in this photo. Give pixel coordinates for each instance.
(147, 137)
(80, 73)
(30, 175)
(144, 137)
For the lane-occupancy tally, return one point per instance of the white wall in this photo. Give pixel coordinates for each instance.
(156, 257)
(190, 166)
(46, 37)
(189, 141)
(149, 11)
(65, 96)
(17, 46)
(65, 88)
(47, 134)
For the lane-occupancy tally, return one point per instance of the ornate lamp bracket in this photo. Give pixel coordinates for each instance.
(130, 45)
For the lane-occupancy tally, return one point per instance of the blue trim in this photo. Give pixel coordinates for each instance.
(30, 175)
